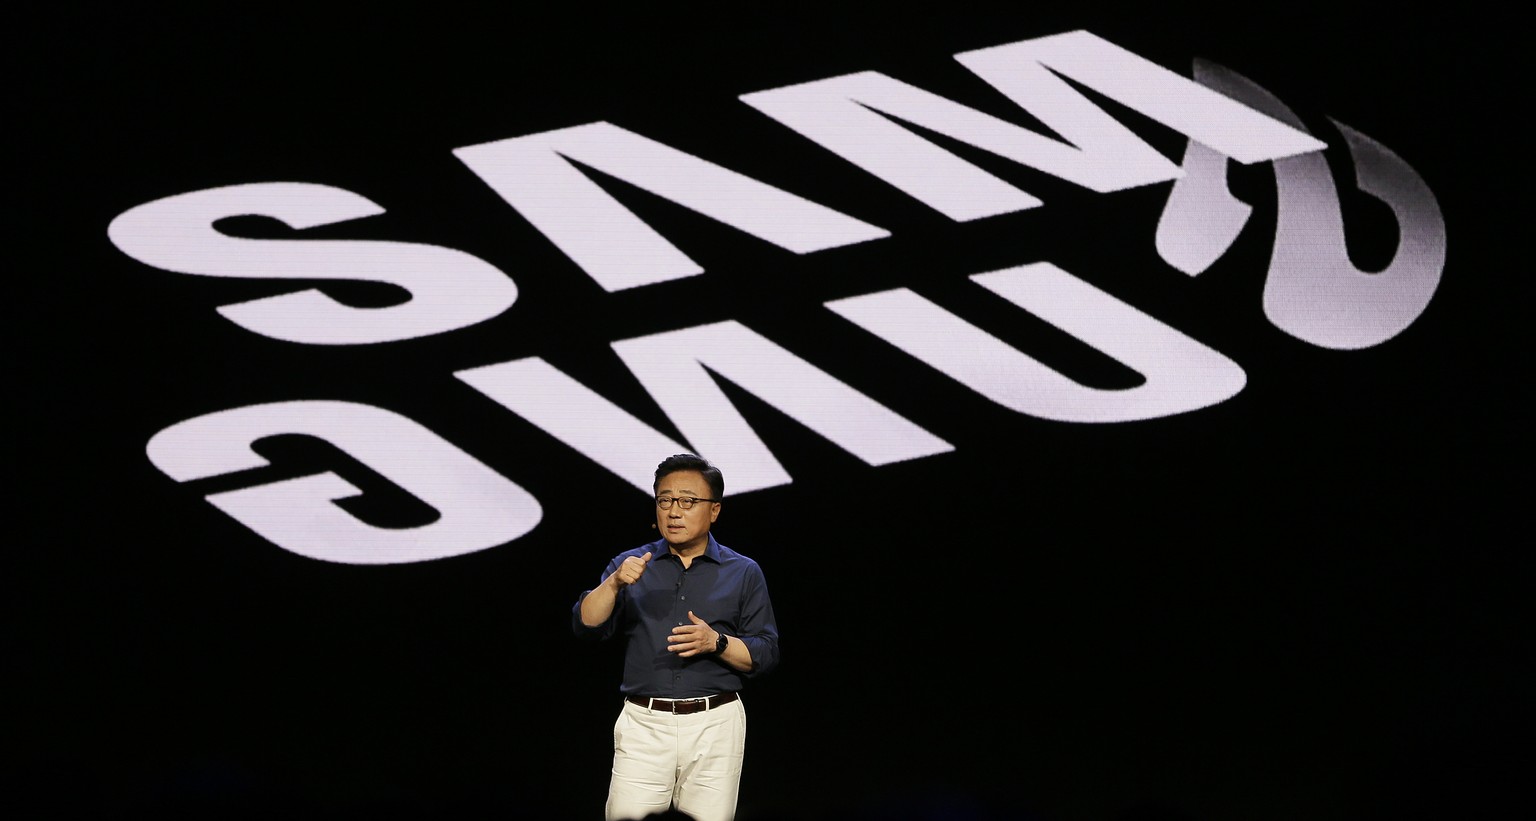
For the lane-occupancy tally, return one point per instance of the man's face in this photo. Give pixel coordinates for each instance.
(686, 529)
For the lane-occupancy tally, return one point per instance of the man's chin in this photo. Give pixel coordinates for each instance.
(682, 540)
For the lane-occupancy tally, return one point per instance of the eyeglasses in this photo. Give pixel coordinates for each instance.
(684, 502)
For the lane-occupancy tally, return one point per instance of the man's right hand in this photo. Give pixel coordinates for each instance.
(632, 569)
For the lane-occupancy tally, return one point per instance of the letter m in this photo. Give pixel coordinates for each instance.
(844, 115)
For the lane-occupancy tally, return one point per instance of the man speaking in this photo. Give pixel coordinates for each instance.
(697, 623)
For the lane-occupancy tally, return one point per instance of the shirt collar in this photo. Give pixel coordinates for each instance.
(711, 550)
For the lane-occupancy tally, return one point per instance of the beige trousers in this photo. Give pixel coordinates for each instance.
(691, 763)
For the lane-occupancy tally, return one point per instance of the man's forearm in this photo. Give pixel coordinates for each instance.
(597, 607)
(736, 655)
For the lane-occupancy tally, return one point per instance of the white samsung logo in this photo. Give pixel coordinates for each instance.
(1312, 290)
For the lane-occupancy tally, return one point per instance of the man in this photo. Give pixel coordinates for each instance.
(697, 622)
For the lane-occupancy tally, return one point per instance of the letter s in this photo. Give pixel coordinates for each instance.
(449, 289)
(478, 508)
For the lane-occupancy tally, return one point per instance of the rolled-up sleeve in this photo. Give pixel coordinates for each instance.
(759, 626)
(606, 629)
(580, 628)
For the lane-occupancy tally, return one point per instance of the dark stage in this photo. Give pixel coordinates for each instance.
(1130, 483)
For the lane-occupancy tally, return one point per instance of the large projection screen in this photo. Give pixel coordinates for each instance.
(1127, 410)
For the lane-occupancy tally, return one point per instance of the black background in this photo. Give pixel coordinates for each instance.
(1304, 602)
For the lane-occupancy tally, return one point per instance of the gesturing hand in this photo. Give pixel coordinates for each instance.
(632, 569)
(693, 639)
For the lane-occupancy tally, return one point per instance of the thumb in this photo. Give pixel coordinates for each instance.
(696, 619)
(646, 557)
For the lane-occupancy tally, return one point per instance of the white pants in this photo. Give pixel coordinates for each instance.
(691, 762)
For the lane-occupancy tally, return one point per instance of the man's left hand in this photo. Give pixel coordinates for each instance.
(696, 639)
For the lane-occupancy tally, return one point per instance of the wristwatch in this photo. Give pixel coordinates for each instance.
(721, 644)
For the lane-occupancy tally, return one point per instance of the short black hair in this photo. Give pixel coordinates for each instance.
(690, 461)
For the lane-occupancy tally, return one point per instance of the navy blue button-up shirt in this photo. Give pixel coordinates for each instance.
(721, 587)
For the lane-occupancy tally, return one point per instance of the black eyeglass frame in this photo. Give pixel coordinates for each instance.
(683, 502)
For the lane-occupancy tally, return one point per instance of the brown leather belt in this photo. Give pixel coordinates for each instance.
(683, 706)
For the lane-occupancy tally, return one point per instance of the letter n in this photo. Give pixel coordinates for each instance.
(678, 368)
